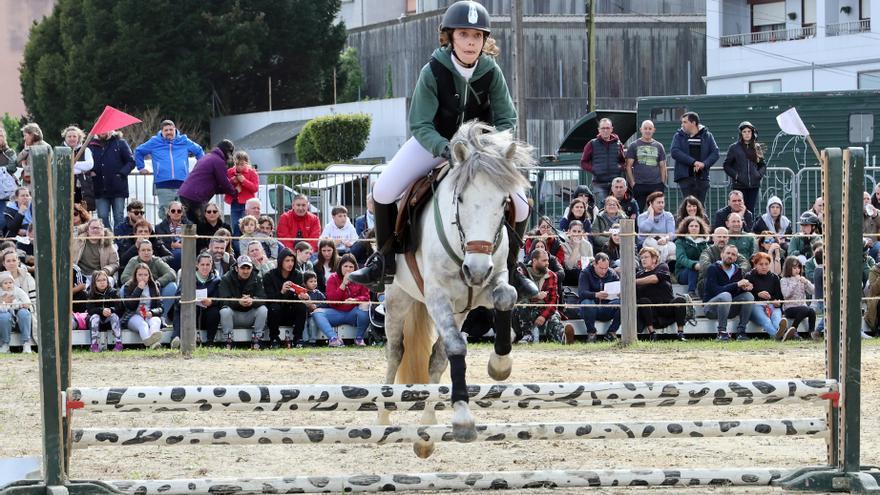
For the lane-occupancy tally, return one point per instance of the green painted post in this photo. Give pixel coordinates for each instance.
(832, 191)
(63, 211)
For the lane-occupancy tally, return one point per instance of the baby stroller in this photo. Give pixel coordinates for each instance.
(376, 331)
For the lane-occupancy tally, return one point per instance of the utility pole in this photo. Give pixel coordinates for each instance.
(519, 63)
(591, 54)
(270, 93)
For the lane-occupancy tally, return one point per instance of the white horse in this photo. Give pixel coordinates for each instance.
(462, 258)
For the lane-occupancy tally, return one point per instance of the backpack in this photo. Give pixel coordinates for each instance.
(8, 185)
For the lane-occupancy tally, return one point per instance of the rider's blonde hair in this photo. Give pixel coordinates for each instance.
(489, 46)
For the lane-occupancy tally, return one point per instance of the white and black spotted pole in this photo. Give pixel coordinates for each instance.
(188, 292)
(628, 324)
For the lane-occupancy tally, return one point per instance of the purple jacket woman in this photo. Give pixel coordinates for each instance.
(206, 179)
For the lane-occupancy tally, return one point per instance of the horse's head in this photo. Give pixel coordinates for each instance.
(484, 175)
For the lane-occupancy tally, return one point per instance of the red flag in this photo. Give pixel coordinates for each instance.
(112, 119)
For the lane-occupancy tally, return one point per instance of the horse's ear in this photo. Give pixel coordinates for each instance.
(511, 151)
(460, 152)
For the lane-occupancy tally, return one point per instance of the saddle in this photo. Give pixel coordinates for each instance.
(411, 205)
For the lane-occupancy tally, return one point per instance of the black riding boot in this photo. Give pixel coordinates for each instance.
(524, 286)
(379, 268)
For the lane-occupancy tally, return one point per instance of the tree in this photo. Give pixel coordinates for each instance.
(349, 77)
(389, 82)
(178, 56)
(13, 127)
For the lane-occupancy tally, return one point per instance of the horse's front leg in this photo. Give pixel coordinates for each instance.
(503, 298)
(440, 308)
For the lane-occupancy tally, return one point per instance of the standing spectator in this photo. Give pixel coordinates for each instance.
(712, 254)
(326, 263)
(172, 225)
(577, 210)
(796, 289)
(340, 230)
(367, 221)
(113, 163)
(767, 291)
(591, 290)
(97, 252)
(354, 312)
(620, 191)
(18, 215)
(818, 209)
(207, 310)
(745, 166)
(103, 310)
(33, 138)
(654, 286)
(800, 244)
(160, 272)
(609, 216)
(169, 151)
(735, 204)
(725, 284)
(83, 183)
(692, 240)
(281, 284)
(775, 222)
(253, 207)
(206, 179)
(246, 182)
(15, 307)
(603, 157)
(694, 151)
(124, 230)
(532, 321)
(142, 308)
(7, 161)
(210, 225)
(745, 243)
(577, 250)
(691, 207)
(657, 227)
(646, 165)
(244, 285)
(299, 224)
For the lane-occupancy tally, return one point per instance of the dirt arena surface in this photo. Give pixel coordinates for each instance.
(20, 413)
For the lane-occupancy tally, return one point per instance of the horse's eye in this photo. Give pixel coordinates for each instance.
(460, 200)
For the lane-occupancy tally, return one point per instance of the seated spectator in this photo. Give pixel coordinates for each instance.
(628, 204)
(577, 210)
(767, 292)
(213, 222)
(362, 249)
(244, 285)
(712, 254)
(340, 229)
(591, 290)
(303, 255)
(657, 228)
(25, 248)
(91, 252)
(691, 207)
(246, 182)
(262, 264)
(125, 229)
(775, 222)
(583, 193)
(103, 308)
(602, 226)
(142, 309)
(554, 264)
(354, 313)
(546, 233)
(532, 321)
(247, 231)
(818, 209)
(612, 249)
(800, 244)
(478, 323)
(745, 243)
(79, 294)
(367, 220)
(654, 286)
(284, 283)
(797, 289)
(80, 215)
(23, 279)
(207, 310)
(299, 224)
(769, 244)
(18, 214)
(228, 244)
(223, 261)
(266, 235)
(735, 204)
(172, 225)
(15, 307)
(577, 252)
(160, 272)
(143, 230)
(871, 226)
(814, 261)
(326, 264)
(310, 281)
(692, 240)
(725, 284)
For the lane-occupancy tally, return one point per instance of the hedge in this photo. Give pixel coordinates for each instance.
(337, 138)
(306, 152)
(293, 181)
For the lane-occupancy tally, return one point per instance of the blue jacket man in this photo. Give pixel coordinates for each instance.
(169, 150)
(694, 151)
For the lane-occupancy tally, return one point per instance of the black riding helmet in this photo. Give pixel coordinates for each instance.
(746, 123)
(466, 15)
(809, 218)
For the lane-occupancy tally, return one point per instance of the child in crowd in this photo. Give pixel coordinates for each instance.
(796, 288)
(310, 280)
(12, 299)
(143, 309)
(103, 315)
(248, 228)
(340, 230)
(303, 259)
(266, 235)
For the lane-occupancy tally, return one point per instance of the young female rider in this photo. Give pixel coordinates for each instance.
(461, 82)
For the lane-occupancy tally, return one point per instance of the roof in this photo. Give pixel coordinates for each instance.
(587, 127)
(340, 174)
(270, 136)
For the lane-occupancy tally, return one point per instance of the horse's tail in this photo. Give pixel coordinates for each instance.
(418, 340)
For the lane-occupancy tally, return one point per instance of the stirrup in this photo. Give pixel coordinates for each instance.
(376, 261)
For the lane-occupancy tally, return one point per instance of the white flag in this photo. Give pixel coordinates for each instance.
(790, 123)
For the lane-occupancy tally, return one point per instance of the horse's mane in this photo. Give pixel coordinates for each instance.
(486, 154)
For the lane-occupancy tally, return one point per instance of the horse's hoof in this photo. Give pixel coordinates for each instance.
(423, 449)
(499, 367)
(464, 433)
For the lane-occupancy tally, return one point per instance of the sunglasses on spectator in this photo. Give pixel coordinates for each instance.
(137, 212)
(176, 210)
(75, 213)
(212, 211)
(768, 241)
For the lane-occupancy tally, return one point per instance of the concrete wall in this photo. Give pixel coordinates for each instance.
(388, 132)
(15, 23)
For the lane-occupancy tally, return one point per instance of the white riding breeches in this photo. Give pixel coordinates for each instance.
(413, 161)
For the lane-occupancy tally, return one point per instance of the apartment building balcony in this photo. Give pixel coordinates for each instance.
(799, 33)
(850, 27)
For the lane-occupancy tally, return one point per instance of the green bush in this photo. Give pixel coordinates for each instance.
(338, 138)
(294, 181)
(306, 152)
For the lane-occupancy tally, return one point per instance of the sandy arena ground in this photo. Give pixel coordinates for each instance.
(20, 413)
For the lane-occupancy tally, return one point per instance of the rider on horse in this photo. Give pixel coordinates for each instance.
(461, 82)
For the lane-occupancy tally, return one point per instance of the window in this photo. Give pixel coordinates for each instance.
(864, 9)
(667, 114)
(768, 16)
(808, 13)
(772, 86)
(869, 79)
(861, 128)
(411, 7)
